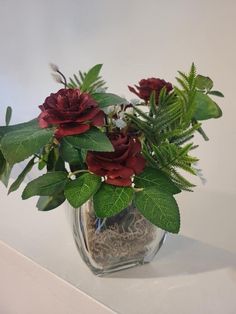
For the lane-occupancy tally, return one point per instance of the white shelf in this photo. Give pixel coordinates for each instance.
(193, 273)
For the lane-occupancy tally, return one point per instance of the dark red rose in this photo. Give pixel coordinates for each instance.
(147, 86)
(119, 166)
(71, 111)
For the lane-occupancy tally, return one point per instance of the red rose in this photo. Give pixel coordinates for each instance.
(146, 87)
(72, 111)
(119, 166)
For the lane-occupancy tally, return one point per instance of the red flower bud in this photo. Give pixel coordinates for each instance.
(147, 86)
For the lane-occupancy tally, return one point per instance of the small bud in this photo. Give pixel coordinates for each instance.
(108, 110)
(135, 101)
(199, 173)
(54, 67)
(119, 123)
(72, 176)
(57, 78)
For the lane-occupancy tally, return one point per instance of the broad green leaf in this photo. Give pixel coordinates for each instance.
(55, 162)
(5, 170)
(159, 208)
(205, 107)
(44, 155)
(6, 174)
(93, 140)
(8, 115)
(82, 189)
(6, 129)
(108, 99)
(46, 203)
(83, 154)
(203, 82)
(15, 185)
(91, 77)
(70, 153)
(47, 184)
(154, 177)
(215, 93)
(110, 200)
(2, 163)
(21, 143)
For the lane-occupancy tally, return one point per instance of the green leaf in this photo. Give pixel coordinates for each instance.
(110, 200)
(203, 82)
(47, 184)
(159, 208)
(154, 177)
(152, 101)
(91, 77)
(15, 185)
(6, 174)
(6, 129)
(2, 163)
(55, 161)
(5, 170)
(70, 153)
(83, 154)
(21, 143)
(215, 93)
(108, 99)
(46, 203)
(205, 107)
(8, 115)
(82, 189)
(93, 140)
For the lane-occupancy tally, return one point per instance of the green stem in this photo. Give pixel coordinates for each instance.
(77, 171)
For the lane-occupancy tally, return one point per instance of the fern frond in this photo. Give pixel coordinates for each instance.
(165, 99)
(192, 76)
(183, 83)
(180, 181)
(144, 115)
(184, 77)
(77, 81)
(186, 135)
(169, 157)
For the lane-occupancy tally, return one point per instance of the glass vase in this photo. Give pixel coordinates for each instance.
(112, 244)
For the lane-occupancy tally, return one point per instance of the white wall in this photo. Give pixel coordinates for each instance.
(134, 39)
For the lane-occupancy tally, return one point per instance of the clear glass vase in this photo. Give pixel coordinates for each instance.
(116, 243)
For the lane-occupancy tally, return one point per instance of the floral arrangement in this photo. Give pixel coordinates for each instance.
(92, 144)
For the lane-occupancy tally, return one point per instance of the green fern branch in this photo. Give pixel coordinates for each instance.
(171, 157)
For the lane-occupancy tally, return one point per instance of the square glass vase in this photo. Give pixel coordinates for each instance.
(108, 245)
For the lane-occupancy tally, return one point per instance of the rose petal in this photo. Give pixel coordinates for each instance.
(133, 90)
(88, 115)
(123, 173)
(136, 163)
(119, 181)
(67, 130)
(135, 147)
(42, 123)
(94, 166)
(98, 120)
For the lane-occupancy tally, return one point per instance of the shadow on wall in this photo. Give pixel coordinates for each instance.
(181, 255)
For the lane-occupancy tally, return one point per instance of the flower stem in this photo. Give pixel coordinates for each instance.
(77, 171)
(63, 77)
(138, 189)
